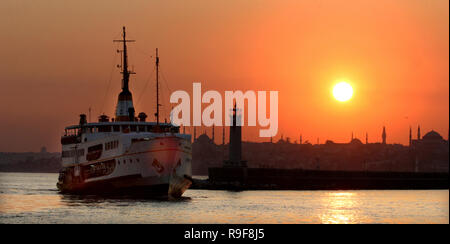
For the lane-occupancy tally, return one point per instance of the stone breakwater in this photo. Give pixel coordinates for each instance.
(297, 179)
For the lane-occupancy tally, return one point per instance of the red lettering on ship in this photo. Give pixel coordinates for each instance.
(176, 166)
(158, 166)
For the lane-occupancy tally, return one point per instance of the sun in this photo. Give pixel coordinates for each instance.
(342, 91)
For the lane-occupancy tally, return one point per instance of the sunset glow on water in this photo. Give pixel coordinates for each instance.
(32, 198)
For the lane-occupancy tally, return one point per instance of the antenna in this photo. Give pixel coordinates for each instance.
(124, 62)
(90, 115)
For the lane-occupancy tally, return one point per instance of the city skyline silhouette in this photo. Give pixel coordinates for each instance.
(60, 62)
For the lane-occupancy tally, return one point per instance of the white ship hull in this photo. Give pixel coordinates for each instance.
(158, 165)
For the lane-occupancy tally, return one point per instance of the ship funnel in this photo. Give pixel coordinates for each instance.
(103, 118)
(83, 119)
(142, 116)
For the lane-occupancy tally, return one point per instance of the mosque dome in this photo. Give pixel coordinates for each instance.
(203, 138)
(432, 136)
(356, 141)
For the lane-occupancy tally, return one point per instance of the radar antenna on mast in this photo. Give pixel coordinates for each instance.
(125, 110)
(124, 61)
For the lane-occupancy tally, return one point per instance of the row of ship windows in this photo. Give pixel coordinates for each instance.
(128, 128)
(111, 145)
(72, 153)
(121, 128)
(125, 161)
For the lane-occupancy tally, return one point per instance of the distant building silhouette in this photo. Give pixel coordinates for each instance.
(204, 139)
(195, 134)
(418, 133)
(410, 136)
(431, 153)
(223, 135)
(383, 135)
(356, 141)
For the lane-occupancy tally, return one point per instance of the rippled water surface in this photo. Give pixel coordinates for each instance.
(33, 198)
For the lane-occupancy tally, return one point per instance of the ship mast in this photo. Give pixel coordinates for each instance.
(125, 109)
(157, 87)
(125, 72)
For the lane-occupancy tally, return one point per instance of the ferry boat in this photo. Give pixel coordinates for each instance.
(126, 154)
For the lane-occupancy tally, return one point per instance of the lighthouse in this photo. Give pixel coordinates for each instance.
(235, 151)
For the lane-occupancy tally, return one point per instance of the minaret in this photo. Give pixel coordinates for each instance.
(223, 135)
(367, 138)
(301, 139)
(410, 136)
(384, 135)
(195, 136)
(125, 110)
(352, 136)
(418, 133)
(90, 115)
(213, 133)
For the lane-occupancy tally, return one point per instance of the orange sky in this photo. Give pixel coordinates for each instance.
(57, 58)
